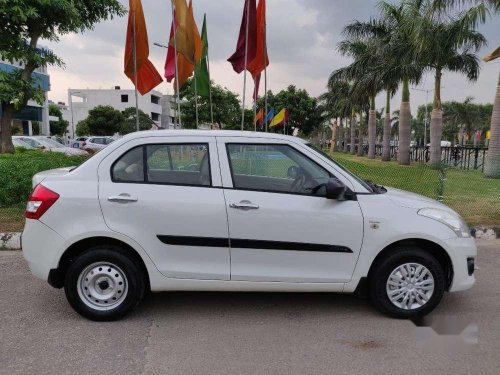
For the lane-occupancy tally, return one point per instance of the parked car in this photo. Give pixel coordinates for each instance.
(97, 143)
(78, 142)
(443, 144)
(49, 144)
(237, 211)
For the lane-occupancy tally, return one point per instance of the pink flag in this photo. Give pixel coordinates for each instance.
(170, 61)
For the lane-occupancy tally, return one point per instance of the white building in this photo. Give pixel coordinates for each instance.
(158, 106)
(33, 111)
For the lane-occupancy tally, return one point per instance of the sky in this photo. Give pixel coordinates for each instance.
(302, 39)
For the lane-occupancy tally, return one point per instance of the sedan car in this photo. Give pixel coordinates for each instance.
(46, 143)
(237, 211)
(96, 144)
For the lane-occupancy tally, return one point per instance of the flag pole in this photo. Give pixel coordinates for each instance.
(176, 69)
(210, 90)
(255, 95)
(265, 63)
(196, 97)
(246, 63)
(134, 49)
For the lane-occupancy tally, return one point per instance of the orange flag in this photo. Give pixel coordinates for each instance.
(184, 37)
(147, 76)
(186, 68)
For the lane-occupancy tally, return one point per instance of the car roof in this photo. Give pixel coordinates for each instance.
(211, 133)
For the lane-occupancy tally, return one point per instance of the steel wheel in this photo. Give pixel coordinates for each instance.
(410, 286)
(102, 286)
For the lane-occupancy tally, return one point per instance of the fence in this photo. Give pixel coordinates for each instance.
(461, 157)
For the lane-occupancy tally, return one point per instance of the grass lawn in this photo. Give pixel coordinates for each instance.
(474, 196)
(12, 218)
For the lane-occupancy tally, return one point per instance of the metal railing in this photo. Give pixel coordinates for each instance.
(461, 157)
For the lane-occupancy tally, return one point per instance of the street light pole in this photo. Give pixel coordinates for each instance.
(427, 91)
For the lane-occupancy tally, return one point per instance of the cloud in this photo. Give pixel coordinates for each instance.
(302, 40)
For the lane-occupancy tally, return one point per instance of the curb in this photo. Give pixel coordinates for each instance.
(12, 241)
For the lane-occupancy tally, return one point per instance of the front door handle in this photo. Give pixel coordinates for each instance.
(244, 205)
(122, 198)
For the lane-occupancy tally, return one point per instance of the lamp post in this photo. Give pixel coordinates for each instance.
(71, 93)
(177, 113)
(427, 91)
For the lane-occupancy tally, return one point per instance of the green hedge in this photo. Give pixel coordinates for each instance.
(16, 171)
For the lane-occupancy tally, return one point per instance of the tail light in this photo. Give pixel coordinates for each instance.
(40, 200)
(84, 144)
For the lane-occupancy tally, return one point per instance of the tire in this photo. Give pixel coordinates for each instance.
(398, 263)
(104, 284)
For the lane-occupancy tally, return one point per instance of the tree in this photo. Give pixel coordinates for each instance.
(304, 113)
(104, 120)
(492, 166)
(365, 84)
(24, 23)
(226, 108)
(57, 127)
(130, 124)
(447, 43)
(82, 128)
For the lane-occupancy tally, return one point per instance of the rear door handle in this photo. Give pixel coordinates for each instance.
(244, 205)
(122, 198)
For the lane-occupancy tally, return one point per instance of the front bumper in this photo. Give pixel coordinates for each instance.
(41, 248)
(462, 252)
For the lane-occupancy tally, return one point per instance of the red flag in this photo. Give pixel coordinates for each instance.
(147, 76)
(260, 61)
(256, 81)
(238, 57)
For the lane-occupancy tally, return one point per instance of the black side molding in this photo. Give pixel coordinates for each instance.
(251, 244)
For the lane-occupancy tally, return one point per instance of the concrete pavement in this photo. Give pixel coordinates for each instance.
(240, 333)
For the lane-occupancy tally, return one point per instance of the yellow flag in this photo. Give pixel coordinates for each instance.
(279, 119)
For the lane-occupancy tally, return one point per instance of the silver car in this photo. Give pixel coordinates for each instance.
(45, 143)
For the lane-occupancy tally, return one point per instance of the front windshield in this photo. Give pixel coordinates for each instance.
(362, 182)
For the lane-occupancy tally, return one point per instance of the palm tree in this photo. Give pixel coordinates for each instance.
(397, 63)
(492, 166)
(464, 115)
(446, 43)
(365, 83)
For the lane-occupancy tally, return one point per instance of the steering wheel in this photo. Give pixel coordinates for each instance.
(299, 183)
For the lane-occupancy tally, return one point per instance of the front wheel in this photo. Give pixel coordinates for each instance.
(104, 284)
(408, 283)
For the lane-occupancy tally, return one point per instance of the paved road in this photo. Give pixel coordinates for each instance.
(231, 333)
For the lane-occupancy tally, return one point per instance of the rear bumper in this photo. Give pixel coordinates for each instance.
(41, 248)
(462, 252)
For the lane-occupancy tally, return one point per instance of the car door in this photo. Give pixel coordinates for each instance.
(281, 226)
(165, 193)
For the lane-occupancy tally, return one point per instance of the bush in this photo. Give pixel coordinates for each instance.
(16, 171)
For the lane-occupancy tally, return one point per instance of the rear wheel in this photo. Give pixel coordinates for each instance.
(408, 283)
(104, 284)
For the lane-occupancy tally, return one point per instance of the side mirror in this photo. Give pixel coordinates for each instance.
(335, 189)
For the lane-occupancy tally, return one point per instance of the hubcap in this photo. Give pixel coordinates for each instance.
(410, 286)
(102, 286)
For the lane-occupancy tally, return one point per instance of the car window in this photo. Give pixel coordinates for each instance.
(32, 142)
(49, 143)
(185, 164)
(130, 167)
(174, 164)
(275, 168)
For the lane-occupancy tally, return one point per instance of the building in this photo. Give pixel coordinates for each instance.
(158, 106)
(33, 111)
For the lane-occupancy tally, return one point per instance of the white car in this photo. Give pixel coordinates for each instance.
(48, 144)
(96, 143)
(236, 211)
